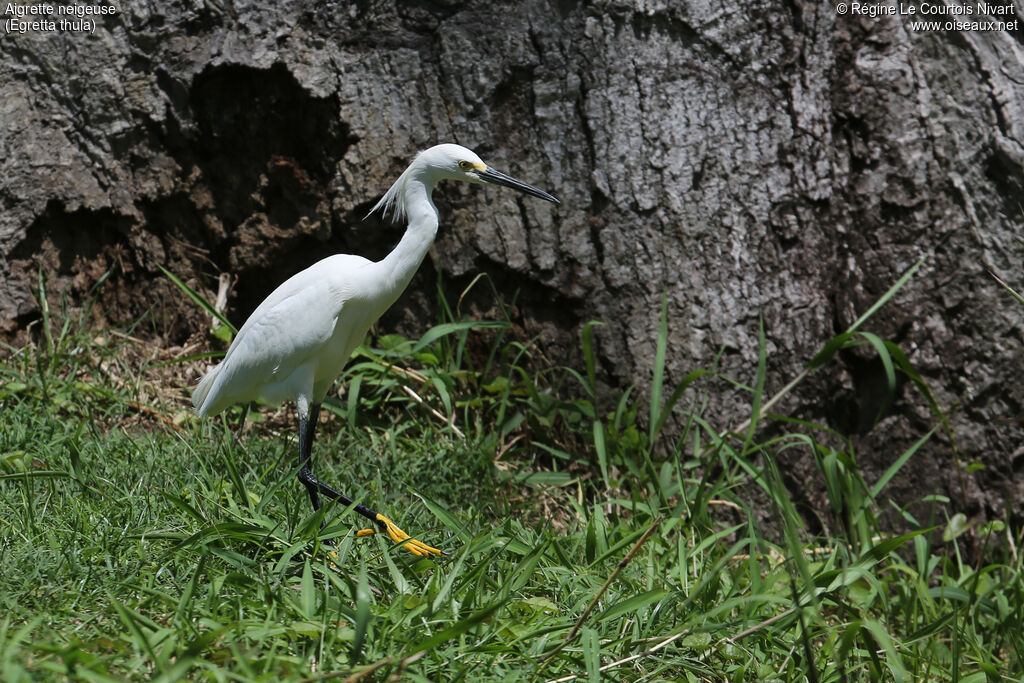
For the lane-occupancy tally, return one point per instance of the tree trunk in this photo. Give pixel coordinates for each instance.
(772, 161)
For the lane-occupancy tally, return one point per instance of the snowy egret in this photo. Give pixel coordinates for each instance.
(296, 343)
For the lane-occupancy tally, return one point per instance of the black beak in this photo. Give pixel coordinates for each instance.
(489, 175)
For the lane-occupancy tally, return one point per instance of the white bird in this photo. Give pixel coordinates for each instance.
(296, 343)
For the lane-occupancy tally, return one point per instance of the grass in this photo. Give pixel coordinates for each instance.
(582, 540)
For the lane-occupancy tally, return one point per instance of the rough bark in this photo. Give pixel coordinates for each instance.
(762, 160)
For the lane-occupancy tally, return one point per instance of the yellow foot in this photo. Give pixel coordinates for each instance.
(397, 535)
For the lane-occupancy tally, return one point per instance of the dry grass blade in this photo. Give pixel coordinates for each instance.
(408, 372)
(385, 661)
(146, 411)
(671, 639)
(366, 671)
(450, 422)
(1007, 287)
(646, 653)
(757, 627)
(223, 288)
(593, 602)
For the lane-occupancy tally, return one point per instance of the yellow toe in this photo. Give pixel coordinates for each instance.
(418, 548)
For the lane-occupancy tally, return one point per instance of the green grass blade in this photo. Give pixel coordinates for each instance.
(362, 622)
(592, 654)
(601, 450)
(307, 592)
(887, 476)
(438, 331)
(131, 621)
(589, 357)
(1008, 288)
(633, 604)
(658, 380)
(199, 300)
(759, 381)
(459, 627)
(889, 294)
(884, 356)
(673, 399)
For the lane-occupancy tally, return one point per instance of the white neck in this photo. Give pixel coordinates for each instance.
(401, 264)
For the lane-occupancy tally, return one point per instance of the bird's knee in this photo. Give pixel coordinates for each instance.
(306, 477)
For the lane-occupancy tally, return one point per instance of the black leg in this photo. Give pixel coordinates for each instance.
(308, 415)
(315, 487)
(307, 430)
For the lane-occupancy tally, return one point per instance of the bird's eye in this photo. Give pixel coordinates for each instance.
(466, 165)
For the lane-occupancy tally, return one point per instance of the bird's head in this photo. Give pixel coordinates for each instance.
(459, 163)
(451, 162)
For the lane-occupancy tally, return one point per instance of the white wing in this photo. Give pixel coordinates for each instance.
(286, 338)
